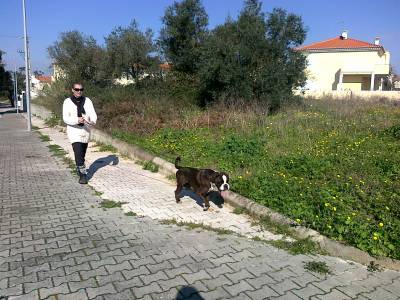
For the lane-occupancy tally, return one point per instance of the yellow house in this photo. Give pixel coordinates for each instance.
(342, 63)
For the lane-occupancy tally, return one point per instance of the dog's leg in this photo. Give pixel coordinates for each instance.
(204, 194)
(177, 192)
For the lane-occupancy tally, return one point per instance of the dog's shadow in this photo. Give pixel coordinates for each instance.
(102, 162)
(213, 196)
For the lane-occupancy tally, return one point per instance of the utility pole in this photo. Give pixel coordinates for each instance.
(27, 75)
(16, 88)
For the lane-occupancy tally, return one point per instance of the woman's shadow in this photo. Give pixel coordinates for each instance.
(188, 293)
(102, 162)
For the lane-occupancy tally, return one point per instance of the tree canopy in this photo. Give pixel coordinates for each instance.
(184, 31)
(78, 56)
(253, 57)
(129, 51)
(6, 84)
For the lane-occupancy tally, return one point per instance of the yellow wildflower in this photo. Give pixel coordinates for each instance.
(381, 224)
(375, 238)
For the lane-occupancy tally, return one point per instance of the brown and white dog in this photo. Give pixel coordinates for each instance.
(201, 181)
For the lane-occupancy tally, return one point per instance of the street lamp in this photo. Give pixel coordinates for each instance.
(27, 76)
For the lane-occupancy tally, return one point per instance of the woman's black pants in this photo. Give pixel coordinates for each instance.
(80, 152)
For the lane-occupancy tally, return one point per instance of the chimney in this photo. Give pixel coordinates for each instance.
(377, 40)
(343, 36)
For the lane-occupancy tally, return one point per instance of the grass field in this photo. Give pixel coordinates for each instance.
(328, 164)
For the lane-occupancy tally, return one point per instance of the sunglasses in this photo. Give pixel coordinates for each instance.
(78, 90)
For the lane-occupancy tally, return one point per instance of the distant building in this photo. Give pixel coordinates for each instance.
(38, 83)
(58, 73)
(342, 63)
(396, 83)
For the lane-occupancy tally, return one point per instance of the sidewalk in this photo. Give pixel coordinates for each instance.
(57, 243)
(151, 194)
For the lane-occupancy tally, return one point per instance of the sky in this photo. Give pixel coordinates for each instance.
(46, 19)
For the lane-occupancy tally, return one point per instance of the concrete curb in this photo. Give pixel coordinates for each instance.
(166, 168)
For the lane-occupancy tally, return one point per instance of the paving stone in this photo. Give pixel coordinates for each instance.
(171, 273)
(58, 280)
(93, 273)
(170, 283)
(30, 286)
(154, 277)
(334, 295)
(79, 295)
(135, 282)
(213, 283)
(262, 293)
(218, 293)
(99, 291)
(152, 288)
(287, 296)
(193, 277)
(142, 270)
(61, 289)
(115, 277)
(380, 293)
(282, 287)
(258, 282)
(74, 286)
(307, 292)
(34, 295)
(237, 288)
(239, 276)
(124, 295)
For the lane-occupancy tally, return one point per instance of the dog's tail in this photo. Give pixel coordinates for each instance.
(177, 161)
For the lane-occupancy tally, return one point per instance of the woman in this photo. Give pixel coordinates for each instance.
(79, 115)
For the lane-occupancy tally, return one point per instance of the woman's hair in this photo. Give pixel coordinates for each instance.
(76, 83)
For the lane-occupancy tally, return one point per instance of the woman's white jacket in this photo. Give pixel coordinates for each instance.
(75, 132)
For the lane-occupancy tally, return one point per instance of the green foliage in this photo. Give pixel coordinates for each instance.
(317, 267)
(240, 210)
(300, 246)
(128, 51)
(53, 121)
(44, 137)
(183, 32)
(105, 147)
(253, 57)
(131, 214)
(393, 131)
(78, 56)
(149, 165)
(373, 267)
(6, 84)
(110, 204)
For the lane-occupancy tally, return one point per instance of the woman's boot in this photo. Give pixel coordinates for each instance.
(82, 174)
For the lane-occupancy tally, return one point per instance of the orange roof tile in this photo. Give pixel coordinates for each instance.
(165, 66)
(44, 78)
(340, 43)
